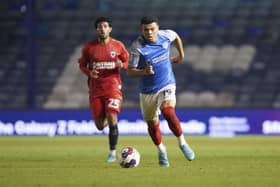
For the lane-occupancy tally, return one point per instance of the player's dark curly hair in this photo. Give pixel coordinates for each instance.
(149, 19)
(102, 19)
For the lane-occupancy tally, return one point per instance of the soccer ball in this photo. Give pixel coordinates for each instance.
(129, 157)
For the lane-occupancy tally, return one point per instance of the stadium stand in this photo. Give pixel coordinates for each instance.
(232, 50)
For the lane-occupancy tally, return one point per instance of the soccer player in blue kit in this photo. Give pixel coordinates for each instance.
(150, 60)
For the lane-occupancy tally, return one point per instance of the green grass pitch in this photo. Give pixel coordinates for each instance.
(80, 161)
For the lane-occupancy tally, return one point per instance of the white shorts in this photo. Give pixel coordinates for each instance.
(150, 103)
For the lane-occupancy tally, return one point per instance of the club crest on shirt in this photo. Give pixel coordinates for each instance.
(113, 54)
(165, 45)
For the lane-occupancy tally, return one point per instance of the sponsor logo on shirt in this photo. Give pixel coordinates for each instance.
(163, 57)
(104, 65)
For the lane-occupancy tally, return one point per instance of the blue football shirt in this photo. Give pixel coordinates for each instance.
(157, 55)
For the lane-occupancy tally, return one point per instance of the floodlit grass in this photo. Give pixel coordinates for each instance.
(80, 161)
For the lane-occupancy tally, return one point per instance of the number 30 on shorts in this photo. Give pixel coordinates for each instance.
(114, 103)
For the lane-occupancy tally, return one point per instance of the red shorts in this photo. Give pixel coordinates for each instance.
(104, 104)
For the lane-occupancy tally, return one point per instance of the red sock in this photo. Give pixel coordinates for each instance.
(172, 120)
(154, 132)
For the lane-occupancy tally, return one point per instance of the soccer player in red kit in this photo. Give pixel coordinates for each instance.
(101, 60)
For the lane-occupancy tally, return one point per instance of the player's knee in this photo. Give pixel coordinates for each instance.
(153, 123)
(112, 118)
(168, 112)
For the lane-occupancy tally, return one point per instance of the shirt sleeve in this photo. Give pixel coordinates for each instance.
(123, 56)
(83, 62)
(134, 55)
(170, 34)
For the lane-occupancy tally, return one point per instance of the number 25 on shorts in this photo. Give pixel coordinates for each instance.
(114, 103)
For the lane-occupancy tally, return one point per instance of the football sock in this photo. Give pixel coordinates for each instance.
(181, 140)
(161, 148)
(172, 120)
(113, 136)
(154, 133)
(113, 152)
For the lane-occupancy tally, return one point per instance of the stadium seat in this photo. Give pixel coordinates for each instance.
(187, 99)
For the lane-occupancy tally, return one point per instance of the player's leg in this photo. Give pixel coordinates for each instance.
(112, 136)
(174, 124)
(113, 105)
(167, 107)
(155, 134)
(101, 119)
(98, 112)
(149, 109)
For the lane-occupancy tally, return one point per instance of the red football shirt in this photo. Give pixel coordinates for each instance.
(103, 58)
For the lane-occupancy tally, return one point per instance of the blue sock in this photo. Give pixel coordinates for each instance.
(113, 136)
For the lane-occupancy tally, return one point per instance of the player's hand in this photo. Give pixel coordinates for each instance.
(176, 60)
(94, 74)
(119, 63)
(149, 70)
